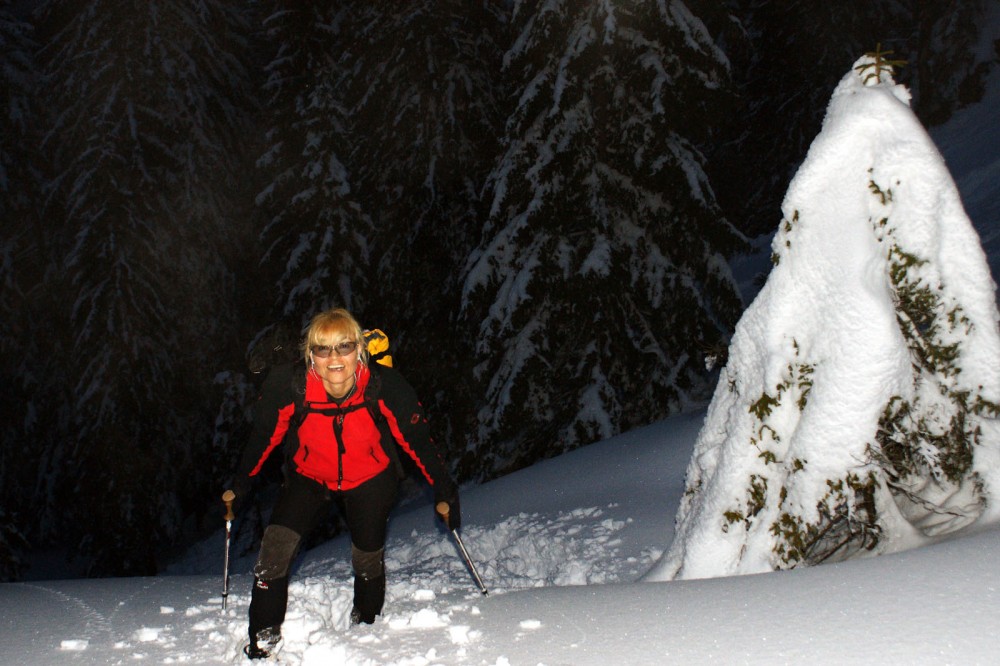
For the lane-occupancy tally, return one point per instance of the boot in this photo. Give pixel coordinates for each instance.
(369, 596)
(263, 643)
(268, 602)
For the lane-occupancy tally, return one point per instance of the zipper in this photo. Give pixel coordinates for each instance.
(338, 433)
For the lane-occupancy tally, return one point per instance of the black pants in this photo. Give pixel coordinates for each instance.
(300, 506)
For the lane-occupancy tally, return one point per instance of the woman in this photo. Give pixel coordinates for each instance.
(339, 417)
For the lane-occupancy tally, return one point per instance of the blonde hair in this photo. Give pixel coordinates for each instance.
(334, 323)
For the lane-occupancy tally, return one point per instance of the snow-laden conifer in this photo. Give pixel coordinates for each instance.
(858, 409)
(19, 268)
(145, 99)
(424, 105)
(778, 46)
(317, 233)
(387, 125)
(600, 280)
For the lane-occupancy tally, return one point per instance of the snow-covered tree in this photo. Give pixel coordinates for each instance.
(423, 101)
(858, 409)
(600, 280)
(317, 233)
(313, 246)
(147, 100)
(19, 260)
(423, 92)
(382, 135)
(781, 45)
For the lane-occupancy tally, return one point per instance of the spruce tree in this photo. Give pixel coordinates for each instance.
(316, 234)
(312, 250)
(425, 120)
(147, 101)
(600, 280)
(422, 96)
(19, 259)
(858, 412)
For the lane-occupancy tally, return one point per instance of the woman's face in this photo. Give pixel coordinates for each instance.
(335, 361)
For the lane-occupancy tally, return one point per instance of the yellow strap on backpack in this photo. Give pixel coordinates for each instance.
(377, 343)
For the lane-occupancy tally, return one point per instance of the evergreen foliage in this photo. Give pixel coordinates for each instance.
(317, 234)
(143, 142)
(424, 97)
(878, 66)
(923, 448)
(19, 269)
(866, 425)
(926, 440)
(600, 278)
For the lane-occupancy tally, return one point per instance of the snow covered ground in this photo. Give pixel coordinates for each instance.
(560, 546)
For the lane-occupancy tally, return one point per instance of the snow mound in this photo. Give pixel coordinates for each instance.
(857, 411)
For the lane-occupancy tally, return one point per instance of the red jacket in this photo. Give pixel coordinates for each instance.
(341, 451)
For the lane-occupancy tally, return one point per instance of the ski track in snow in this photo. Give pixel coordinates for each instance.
(95, 622)
(116, 628)
(431, 616)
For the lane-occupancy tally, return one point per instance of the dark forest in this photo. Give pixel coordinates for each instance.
(537, 202)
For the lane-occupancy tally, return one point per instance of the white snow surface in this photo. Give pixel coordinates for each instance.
(560, 547)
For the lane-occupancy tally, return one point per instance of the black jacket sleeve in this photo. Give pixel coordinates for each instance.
(408, 423)
(270, 419)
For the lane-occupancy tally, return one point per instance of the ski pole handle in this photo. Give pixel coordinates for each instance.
(443, 509)
(227, 498)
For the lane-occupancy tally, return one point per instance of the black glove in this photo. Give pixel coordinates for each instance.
(242, 486)
(446, 505)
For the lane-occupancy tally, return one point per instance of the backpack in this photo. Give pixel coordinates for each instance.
(275, 348)
(377, 343)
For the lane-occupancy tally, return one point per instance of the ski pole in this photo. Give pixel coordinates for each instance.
(442, 508)
(227, 498)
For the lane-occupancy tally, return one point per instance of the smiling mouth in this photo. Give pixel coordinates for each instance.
(334, 368)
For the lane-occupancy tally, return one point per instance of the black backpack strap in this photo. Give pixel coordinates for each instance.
(372, 395)
(299, 390)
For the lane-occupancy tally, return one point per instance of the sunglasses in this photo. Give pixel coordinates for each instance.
(340, 349)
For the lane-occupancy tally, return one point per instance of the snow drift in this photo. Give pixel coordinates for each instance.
(857, 411)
